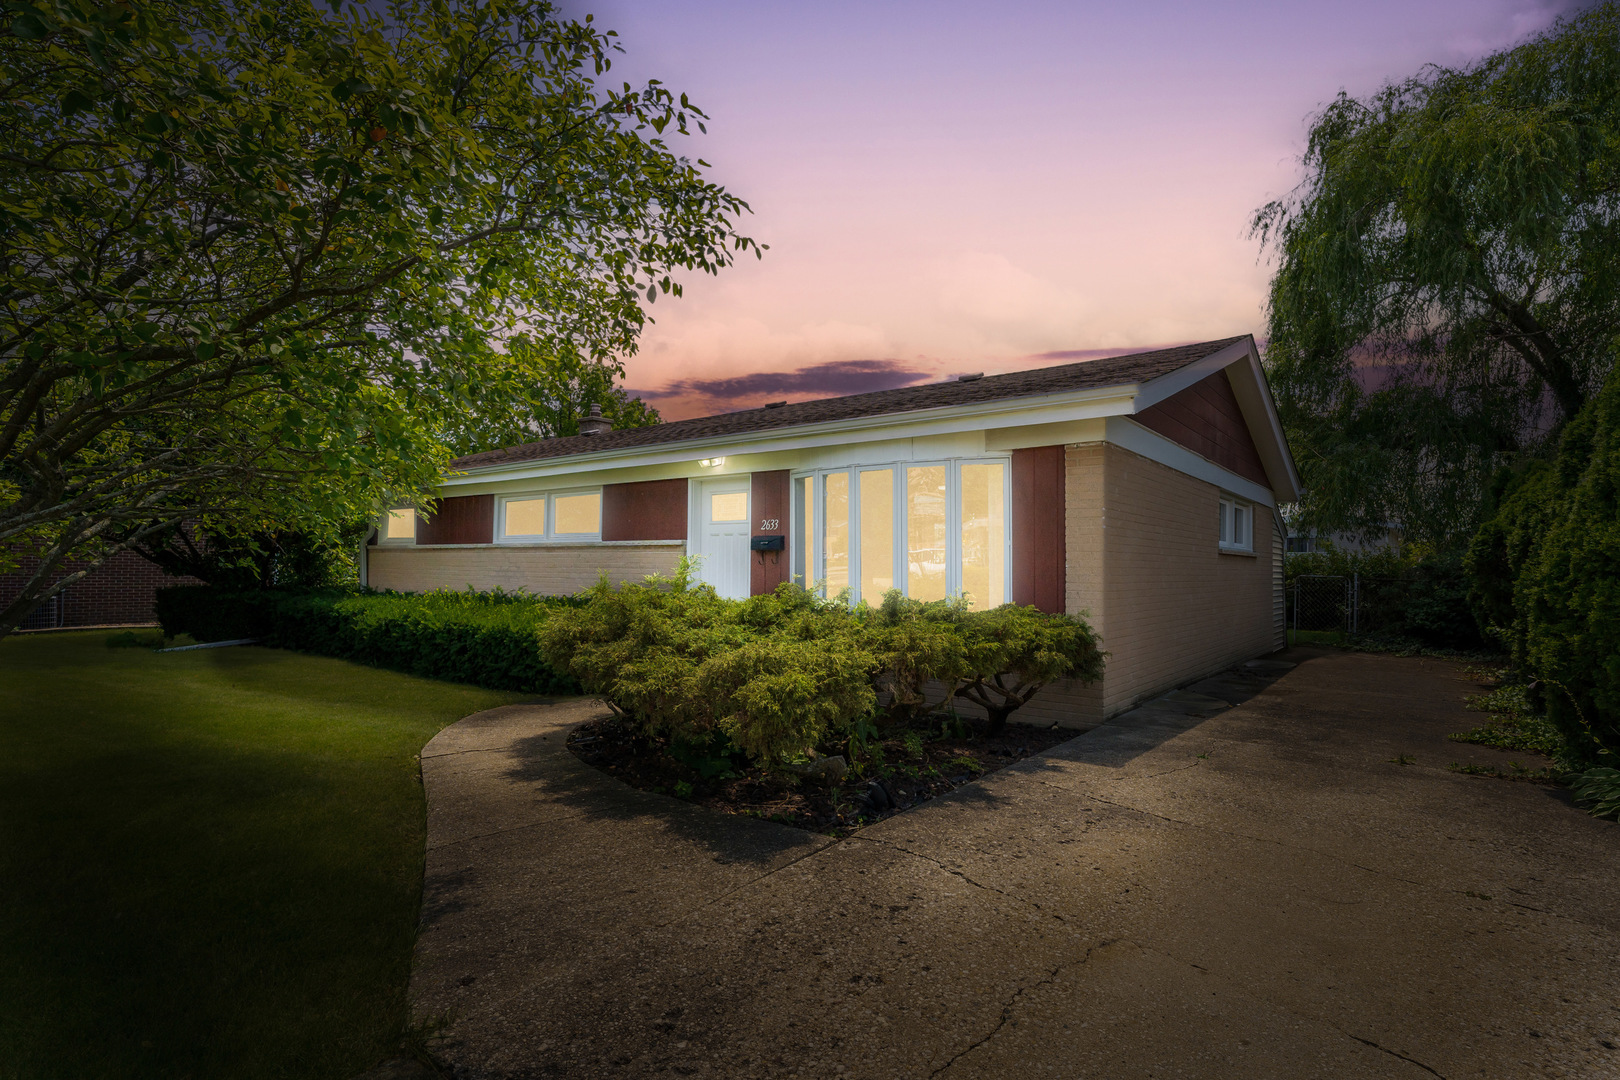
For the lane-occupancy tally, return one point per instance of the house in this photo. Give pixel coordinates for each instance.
(1141, 490)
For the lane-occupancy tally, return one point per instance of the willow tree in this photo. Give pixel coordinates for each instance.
(260, 257)
(1448, 278)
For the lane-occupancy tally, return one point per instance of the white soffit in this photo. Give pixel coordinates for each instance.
(1128, 434)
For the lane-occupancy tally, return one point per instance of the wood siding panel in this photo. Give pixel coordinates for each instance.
(462, 519)
(1206, 419)
(647, 510)
(559, 570)
(769, 494)
(1038, 549)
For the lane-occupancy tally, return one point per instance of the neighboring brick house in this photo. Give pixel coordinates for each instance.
(1139, 489)
(120, 592)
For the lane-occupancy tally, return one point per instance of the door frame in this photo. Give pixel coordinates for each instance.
(697, 520)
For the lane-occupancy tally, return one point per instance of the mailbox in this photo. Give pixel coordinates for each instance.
(767, 543)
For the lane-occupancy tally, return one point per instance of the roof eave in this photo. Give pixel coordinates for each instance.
(1113, 400)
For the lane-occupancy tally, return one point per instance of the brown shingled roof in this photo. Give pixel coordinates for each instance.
(1088, 374)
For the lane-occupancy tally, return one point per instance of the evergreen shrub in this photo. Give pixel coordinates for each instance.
(1546, 577)
(781, 673)
(486, 639)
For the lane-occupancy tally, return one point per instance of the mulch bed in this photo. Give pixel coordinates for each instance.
(903, 773)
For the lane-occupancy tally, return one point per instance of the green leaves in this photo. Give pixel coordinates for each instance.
(209, 211)
(1448, 279)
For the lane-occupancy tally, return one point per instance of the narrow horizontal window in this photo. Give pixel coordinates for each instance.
(728, 506)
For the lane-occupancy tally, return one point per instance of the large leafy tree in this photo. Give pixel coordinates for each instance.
(1448, 279)
(261, 259)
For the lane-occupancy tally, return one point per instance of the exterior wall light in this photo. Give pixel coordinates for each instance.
(712, 462)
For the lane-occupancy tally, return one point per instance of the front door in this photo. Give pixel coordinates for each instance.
(723, 536)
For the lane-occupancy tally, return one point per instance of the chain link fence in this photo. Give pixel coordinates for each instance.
(50, 615)
(1345, 604)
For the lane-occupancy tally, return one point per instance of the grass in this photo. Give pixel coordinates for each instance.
(211, 861)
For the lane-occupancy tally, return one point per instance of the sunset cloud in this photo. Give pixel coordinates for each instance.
(694, 397)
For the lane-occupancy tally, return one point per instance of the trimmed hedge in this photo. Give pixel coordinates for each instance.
(486, 639)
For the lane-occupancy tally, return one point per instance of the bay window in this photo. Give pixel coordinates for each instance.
(931, 530)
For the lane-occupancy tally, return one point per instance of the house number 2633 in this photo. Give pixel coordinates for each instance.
(769, 524)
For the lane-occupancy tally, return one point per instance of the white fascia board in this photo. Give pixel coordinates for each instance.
(1166, 386)
(1254, 398)
(1128, 434)
(1014, 412)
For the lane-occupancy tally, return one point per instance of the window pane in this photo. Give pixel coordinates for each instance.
(804, 555)
(877, 534)
(1226, 522)
(984, 535)
(525, 517)
(729, 506)
(1240, 526)
(401, 525)
(578, 514)
(925, 532)
(835, 536)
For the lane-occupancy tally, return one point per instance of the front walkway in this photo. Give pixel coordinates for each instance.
(1263, 893)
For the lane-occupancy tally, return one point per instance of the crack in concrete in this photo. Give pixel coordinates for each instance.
(1283, 1007)
(957, 873)
(1007, 1008)
(469, 750)
(481, 836)
(750, 883)
(1268, 840)
(1387, 1050)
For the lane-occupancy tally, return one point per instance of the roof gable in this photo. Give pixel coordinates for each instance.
(1207, 419)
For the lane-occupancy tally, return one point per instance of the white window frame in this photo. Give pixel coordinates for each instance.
(902, 568)
(383, 536)
(1233, 510)
(551, 535)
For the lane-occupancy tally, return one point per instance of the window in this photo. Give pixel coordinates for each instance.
(1237, 525)
(567, 515)
(577, 515)
(525, 517)
(399, 527)
(728, 506)
(931, 530)
(984, 535)
(877, 533)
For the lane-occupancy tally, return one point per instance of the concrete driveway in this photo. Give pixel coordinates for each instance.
(1259, 893)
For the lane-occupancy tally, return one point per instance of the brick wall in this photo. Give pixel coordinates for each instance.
(118, 593)
(1173, 605)
(557, 570)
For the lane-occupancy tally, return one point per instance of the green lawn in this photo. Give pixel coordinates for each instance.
(210, 861)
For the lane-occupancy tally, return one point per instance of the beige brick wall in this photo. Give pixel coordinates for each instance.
(1143, 557)
(543, 571)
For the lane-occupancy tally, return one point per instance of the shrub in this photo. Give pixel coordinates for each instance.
(780, 673)
(776, 674)
(1546, 576)
(919, 644)
(1014, 651)
(487, 639)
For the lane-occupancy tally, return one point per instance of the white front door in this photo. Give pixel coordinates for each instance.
(722, 536)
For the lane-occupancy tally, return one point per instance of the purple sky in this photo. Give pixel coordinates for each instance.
(956, 187)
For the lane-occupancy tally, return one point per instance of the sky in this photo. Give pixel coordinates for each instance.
(951, 187)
